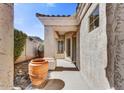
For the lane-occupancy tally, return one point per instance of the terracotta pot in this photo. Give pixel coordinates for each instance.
(38, 71)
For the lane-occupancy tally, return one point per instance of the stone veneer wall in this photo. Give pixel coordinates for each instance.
(6, 46)
(93, 50)
(115, 34)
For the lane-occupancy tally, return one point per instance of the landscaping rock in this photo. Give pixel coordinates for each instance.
(21, 78)
(16, 88)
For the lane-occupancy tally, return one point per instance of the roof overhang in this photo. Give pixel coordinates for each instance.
(64, 23)
(58, 21)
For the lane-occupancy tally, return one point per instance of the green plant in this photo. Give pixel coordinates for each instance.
(19, 42)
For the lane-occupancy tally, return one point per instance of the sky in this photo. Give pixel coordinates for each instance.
(26, 20)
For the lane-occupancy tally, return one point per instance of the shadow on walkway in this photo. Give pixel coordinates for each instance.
(50, 84)
(66, 69)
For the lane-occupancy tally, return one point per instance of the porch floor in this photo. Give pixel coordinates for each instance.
(65, 77)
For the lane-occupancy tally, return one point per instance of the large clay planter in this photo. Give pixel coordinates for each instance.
(38, 71)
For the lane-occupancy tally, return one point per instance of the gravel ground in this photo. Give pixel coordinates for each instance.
(21, 77)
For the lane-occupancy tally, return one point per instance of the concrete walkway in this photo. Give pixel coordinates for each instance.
(65, 77)
(71, 78)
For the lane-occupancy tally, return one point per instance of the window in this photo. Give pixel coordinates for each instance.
(94, 19)
(60, 46)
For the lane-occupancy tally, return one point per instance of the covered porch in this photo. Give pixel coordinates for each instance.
(61, 37)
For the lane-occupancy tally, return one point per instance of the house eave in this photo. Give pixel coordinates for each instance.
(65, 20)
(58, 21)
(81, 11)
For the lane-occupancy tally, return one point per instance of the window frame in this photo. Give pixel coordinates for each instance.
(94, 20)
(60, 43)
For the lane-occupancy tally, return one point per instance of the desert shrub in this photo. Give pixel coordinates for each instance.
(19, 42)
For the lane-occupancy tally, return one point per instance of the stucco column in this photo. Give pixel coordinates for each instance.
(49, 42)
(6, 46)
(78, 50)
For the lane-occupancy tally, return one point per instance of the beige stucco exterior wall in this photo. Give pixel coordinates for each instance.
(93, 50)
(78, 49)
(115, 33)
(29, 52)
(52, 25)
(49, 42)
(68, 36)
(6, 46)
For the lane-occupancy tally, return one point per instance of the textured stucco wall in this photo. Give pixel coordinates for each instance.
(78, 49)
(115, 33)
(49, 42)
(93, 50)
(68, 36)
(31, 49)
(29, 52)
(6, 46)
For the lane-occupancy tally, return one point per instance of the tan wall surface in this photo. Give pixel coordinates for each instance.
(29, 52)
(115, 33)
(6, 46)
(49, 43)
(68, 35)
(78, 50)
(93, 51)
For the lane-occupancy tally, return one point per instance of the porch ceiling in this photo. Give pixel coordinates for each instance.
(65, 29)
(63, 33)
